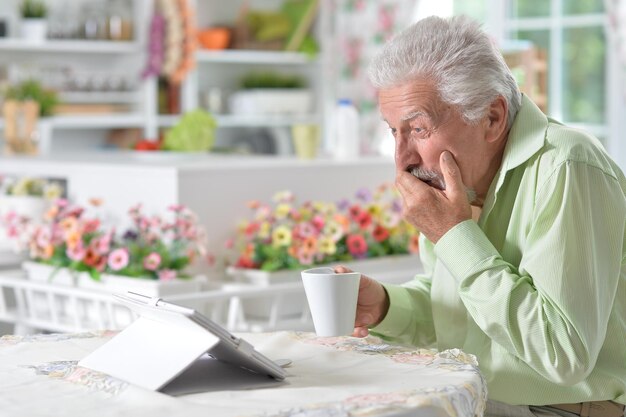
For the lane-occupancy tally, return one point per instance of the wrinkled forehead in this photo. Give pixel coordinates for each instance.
(411, 100)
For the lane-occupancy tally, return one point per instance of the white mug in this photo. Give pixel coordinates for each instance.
(332, 299)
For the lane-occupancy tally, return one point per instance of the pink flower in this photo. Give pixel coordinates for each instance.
(318, 222)
(305, 230)
(176, 208)
(305, 257)
(152, 261)
(76, 253)
(91, 226)
(103, 245)
(118, 259)
(42, 236)
(167, 274)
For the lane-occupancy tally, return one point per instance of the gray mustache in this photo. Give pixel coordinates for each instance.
(437, 181)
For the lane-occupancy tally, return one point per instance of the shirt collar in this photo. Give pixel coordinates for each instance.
(527, 135)
(526, 138)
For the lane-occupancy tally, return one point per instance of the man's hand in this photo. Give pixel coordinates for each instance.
(434, 211)
(372, 304)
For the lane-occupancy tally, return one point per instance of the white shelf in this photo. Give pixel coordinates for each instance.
(168, 120)
(100, 97)
(235, 56)
(266, 121)
(97, 121)
(76, 46)
(92, 121)
(249, 121)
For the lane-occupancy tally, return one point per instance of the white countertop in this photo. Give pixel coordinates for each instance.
(64, 162)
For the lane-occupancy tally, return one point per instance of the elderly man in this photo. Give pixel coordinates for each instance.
(522, 223)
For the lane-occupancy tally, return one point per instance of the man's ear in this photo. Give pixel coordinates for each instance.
(496, 119)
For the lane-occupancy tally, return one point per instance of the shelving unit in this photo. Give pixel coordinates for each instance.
(97, 121)
(233, 121)
(231, 56)
(100, 96)
(214, 69)
(94, 58)
(70, 46)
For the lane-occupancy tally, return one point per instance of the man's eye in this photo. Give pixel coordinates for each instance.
(393, 130)
(417, 129)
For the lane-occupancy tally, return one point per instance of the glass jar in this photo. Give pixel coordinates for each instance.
(120, 20)
(94, 21)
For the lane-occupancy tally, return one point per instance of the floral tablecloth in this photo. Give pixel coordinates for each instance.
(341, 376)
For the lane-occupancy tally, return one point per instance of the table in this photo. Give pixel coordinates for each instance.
(336, 376)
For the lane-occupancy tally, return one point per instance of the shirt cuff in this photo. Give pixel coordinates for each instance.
(399, 313)
(476, 249)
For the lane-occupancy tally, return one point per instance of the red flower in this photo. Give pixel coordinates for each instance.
(251, 229)
(357, 245)
(380, 233)
(244, 262)
(364, 219)
(92, 258)
(414, 244)
(355, 211)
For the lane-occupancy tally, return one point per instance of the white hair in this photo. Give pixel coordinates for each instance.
(468, 71)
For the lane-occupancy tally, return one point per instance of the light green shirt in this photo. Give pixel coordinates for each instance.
(537, 288)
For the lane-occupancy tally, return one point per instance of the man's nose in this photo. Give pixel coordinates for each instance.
(404, 152)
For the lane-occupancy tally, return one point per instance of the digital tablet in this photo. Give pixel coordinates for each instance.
(167, 339)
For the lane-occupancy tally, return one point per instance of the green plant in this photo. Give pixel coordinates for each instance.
(194, 132)
(33, 90)
(34, 187)
(271, 79)
(33, 9)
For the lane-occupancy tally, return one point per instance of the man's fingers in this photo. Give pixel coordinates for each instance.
(360, 332)
(451, 174)
(364, 320)
(407, 184)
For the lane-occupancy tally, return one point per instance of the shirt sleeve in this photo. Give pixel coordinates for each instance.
(409, 318)
(551, 312)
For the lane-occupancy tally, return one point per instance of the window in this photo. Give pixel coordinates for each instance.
(571, 33)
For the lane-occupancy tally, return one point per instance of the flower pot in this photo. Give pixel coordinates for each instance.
(34, 30)
(111, 283)
(271, 101)
(388, 269)
(27, 206)
(83, 314)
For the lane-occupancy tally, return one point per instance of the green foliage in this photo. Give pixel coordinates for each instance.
(270, 79)
(301, 14)
(195, 132)
(33, 9)
(309, 47)
(268, 26)
(33, 90)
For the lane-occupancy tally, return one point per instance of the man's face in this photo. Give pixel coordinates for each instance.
(424, 126)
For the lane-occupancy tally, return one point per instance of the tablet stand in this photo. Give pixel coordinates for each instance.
(151, 353)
